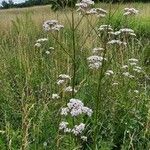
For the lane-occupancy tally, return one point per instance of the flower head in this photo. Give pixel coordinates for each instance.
(104, 27)
(37, 45)
(130, 11)
(55, 96)
(52, 25)
(78, 129)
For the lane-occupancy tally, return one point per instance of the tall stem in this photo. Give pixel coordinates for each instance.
(74, 54)
(99, 88)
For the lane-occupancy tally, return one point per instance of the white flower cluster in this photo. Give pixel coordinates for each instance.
(133, 63)
(37, 45)
(99, 12)
(118, 42)
(127, 74)
(84, 138)
(104, 27)
(55, 96)
(124, 67)
(97, 50)
(115, 33)
(77, 129)
(70, 89)
(42, 40)
(123, 31)
(127, 31)
(95, 61)
(75, 107)
(84, 6)
(52, 25)
(130, 11)
(63, 78)
(63, 126)
(39, 41)
(109, 72)
(63, 81)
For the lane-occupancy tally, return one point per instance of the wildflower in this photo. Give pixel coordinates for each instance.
(117, 42)
(88, 2)
(132, 34)
(69, 89)
(59, 82)
(133, 60)
(98, 11)
(127, 74)
(51, 48)
(42, 40)
(101, 11)
(87, 111)
(97, 49)
(47, 52)
(136, 91)
(64, 76)
(124, 66)
(130, 11)
(137, 67)
(131, 76)
(78, 129)
(55, 96)
(101, 15)
(94, 58)
(95, 61)
(115, 83)
(105, 28)
(126, 30)
(84, 5)
(133, 63)
(45, 144)
(115, 33)
(64, 111)
(76, 108)
(95, 65)
(67, 130)
(37, 45)
(57, 27)
(109, 72)
(91, 11)
(63, 125)
(84, 138)
(137, 70)
(52, 25)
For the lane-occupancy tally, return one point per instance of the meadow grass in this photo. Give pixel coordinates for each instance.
(30, 117)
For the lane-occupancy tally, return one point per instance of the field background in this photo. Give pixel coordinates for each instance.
(29, 117)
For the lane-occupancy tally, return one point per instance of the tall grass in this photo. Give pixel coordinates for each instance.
(30, 117)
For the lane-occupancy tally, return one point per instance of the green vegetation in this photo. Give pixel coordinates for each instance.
(117, 94)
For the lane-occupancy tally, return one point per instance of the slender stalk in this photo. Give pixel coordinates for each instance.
(99, 88)
(74, 53)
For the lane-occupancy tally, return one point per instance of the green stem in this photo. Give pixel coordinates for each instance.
(74, 54)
